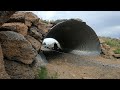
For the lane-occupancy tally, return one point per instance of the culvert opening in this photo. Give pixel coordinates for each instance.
(75, 37)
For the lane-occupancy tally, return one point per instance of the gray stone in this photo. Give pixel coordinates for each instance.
(41, 59)
(116, 55)
(16, 47)
(28, 18)
(18, 70)
(35, 32)
(5, 15)
(35, 43)
(3, 74)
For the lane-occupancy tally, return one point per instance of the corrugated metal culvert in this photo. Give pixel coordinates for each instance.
(76, 37)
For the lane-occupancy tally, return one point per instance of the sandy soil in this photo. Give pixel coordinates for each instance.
(69, 66)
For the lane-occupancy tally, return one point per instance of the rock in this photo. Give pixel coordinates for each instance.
(101, 40)
(105, 46)
(16, 27)
(31, 17)
(106, 51)
(17, 17)
(43, 27)
(16, 47)
(34, 32)
(28, 23)
(18, 70)
(5, 15)
(35, 43)
(28, 18)
(116, 55)
(41, 59)
(3, 74)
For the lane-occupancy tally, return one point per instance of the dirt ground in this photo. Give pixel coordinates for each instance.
(69, 66)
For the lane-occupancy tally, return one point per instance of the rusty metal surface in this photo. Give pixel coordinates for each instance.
(76, 37)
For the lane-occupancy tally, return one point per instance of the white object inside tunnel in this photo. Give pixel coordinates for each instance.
(48, 44)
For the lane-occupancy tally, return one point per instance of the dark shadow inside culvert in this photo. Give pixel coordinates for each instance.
(76, 37)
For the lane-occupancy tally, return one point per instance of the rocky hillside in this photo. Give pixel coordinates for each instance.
(20, 42)
(110, 47)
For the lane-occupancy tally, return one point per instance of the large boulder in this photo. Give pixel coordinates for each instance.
(18, 70)
(28, 18)
(16, 47)
(35, 43)
(3, 74)
(31, 17)
(16, 27)
(5, 15)
(17, 17)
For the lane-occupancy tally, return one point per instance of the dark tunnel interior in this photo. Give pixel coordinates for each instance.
(75, 35)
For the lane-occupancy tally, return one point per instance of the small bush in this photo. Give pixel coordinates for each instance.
(113, 43)
(43, 73)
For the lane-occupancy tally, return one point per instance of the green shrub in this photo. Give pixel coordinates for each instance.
(117, 51)
(43, 73)
(113, 43)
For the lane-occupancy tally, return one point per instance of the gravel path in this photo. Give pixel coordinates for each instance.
(69, 66)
